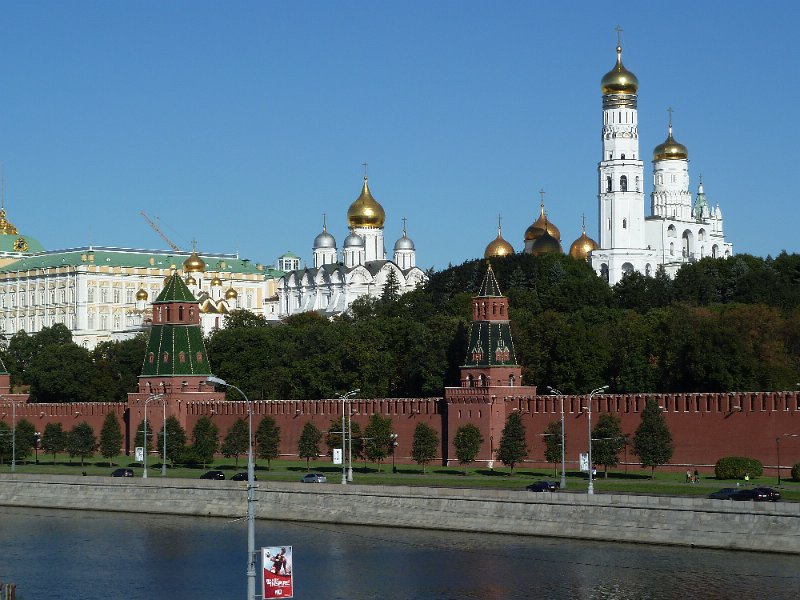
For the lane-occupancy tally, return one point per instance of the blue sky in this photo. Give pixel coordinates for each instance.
(241, 123)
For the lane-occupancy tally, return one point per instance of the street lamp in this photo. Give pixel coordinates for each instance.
(563, 464)
(591, 395)
(350, 414)
(251, 529)
(146, 445)
(344, 399)
(394, 446)
(778, 447)
(13, 436)
(164, 443)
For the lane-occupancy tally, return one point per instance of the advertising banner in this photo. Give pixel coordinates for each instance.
(337, 456)
(139, 453)
(276, 569)
(584, 460)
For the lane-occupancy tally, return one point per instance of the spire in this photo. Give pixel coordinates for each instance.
(489, 287)
(324, 223)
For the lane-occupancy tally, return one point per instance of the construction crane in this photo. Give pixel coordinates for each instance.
(159, 232)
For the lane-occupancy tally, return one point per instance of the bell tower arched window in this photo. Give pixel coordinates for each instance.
(623, 183)
(608, 183)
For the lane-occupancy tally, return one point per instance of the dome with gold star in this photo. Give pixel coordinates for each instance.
(498, 247)
(580, 248)
(540, 226)
(670, 149)
(366, 211)
(619, 80)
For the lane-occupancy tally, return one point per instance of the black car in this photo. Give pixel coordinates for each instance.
(724, 493)
(213, 475)
(243, 477)
(544, 486)
(122, 473)
(766, 494)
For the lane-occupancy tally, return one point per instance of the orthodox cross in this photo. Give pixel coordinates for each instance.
(618, 29)
(365, 164)
(404, 226)
(670, 111)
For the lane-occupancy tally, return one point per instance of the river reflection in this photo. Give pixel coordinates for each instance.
(87, 555)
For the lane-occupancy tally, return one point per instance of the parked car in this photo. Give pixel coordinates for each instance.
(213, 475)
(314, 478)
(766, 494)
(122, 473)
(724, 493)
(544, 486)
(243, 476)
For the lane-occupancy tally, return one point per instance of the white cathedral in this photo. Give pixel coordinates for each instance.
(677, 231)
(361, 269)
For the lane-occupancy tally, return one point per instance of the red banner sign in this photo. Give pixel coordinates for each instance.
(276, 568)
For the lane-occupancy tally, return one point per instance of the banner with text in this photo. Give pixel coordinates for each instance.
(276, 567)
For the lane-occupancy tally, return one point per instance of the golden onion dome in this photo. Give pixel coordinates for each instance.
(619, 80)
(542, 225)
(546, 244)
(498, 246)
(231, 293)
(191, 280)
(366, 211)
(216, 281)
(670, 149)
(141, 294)
(580, 248)
(194, 264)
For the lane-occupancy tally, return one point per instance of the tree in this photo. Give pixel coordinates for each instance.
(378, 439)
(237, 441)
(176, 439)
(5, 441)
(110, 437)
(308, 444)
(391, 289)
(356, 441)
(205, 439)
(25, 439)
(54, 439)
(512, 448)
(553, 443)
(268, 437)
(81, 441)
(62, 373)
(652, 441)
(607, 441)
(424, 444)
(467, 441)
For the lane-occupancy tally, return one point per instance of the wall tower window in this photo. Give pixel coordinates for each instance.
(608, 183)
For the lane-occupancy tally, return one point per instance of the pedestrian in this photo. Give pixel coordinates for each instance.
(696, 476)
(688, 476)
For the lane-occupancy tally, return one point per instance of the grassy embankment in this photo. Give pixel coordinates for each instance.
(636, 481)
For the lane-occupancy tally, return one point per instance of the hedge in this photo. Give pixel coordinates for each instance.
(736, 467)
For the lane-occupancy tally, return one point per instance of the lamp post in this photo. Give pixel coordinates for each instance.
(778, 448)
(591, 395)
(13, 436)
(164, 443)
(350, 414)
(251, 530)
(563, 463)
(394, 446)
(146, 445)
(344, 398)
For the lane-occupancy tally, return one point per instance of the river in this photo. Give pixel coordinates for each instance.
(74, 555)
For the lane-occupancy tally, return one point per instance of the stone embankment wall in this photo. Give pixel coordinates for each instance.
(642, 519)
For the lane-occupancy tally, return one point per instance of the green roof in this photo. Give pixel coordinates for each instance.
(175, 291)
(490, 345)
(143, 259)
(289, 254)
(175, 350)
(24, 244)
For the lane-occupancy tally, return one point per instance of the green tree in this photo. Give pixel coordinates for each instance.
(467, 441)
(652, 441)
(378, 439)
(5, 442)
(54, 439)
(553, 443)
(237, 440)
(308, 444)
(391, 289)
(110, 437)
(268, 438)
(424, 444)
(25, 439)
(512, 448)
(205, 440)
(176, 439)
(62, 373)
(81, 441)
(607, 441)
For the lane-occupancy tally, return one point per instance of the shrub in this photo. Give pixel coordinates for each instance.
(796, 472)
(736, 467)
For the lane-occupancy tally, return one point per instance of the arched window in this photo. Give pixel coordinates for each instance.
(672, 248)
(637, 184)
(648, 270)
(622, 157)
(624, 223)
(623, 183)
(608, 183)
(604, 272)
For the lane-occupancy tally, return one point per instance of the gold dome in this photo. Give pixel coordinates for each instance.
(546, 244)
(670, 149)
(542, 225)
(231, 293)
(194, 264)
(619, 80)
(191, 280)
(216, 281)
(498, 246)
(6, 228)
(366, 211)
(581, 247)
(141, 294)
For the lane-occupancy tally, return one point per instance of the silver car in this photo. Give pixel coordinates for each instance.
(314, 478)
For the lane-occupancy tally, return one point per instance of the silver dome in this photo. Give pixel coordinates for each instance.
(404, 243)
(324, 240)
(354, 240)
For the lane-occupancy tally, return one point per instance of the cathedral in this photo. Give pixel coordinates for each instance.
(678, 229)
(360, 269)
